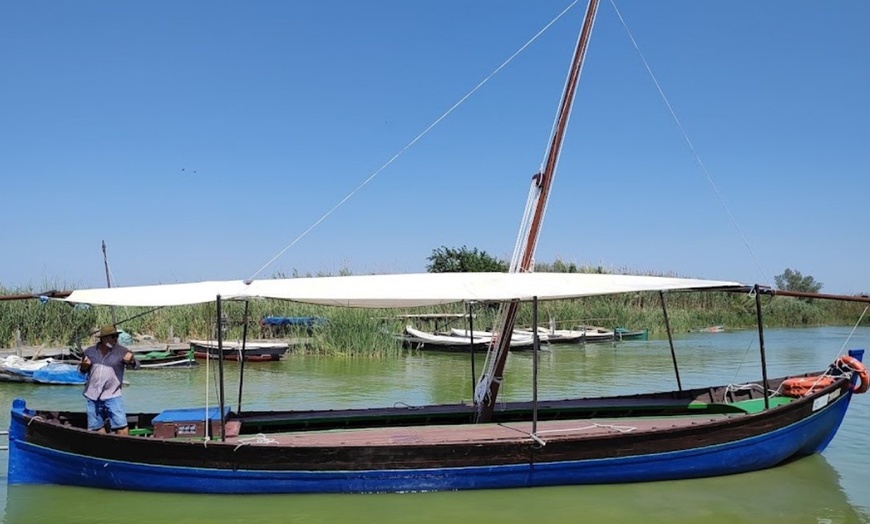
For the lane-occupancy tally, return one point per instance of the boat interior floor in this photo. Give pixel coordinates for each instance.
(464, 433)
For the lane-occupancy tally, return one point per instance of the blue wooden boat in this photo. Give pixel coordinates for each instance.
(586, 441)
(684, 433)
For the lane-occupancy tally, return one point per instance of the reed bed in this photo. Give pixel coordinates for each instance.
(370, 333)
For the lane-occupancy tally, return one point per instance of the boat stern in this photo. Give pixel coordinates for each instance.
(17, 468)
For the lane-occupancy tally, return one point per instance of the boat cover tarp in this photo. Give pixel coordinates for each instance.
(190, 414)
(292, 321)
(59, 374)
(43, 371)
(391, 291)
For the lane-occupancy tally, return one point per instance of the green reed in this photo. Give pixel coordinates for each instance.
(370, 332)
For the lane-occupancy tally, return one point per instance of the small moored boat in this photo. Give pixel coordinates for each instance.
(166, 358)
(249, 351)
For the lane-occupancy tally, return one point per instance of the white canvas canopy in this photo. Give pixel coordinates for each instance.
(394, 291)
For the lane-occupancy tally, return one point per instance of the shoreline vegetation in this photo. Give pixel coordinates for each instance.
(369, 332)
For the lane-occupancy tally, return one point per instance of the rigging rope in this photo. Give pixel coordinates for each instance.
(858, 323)
(415, 140)
(689, 142)
(111, 274)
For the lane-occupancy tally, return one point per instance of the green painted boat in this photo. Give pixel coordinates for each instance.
(622, 333)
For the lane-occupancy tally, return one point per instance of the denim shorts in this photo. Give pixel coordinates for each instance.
(111, 409)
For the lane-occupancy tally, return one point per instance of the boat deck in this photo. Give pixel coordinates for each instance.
(457, 434)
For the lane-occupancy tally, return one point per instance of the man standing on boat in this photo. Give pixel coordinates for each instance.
(104, 363)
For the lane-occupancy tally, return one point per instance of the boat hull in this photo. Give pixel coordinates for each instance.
(51, 453)
(631, 334)
(253, 352)
(458, 341)
(234, 356)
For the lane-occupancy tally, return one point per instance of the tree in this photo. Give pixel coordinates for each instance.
(463, 260)
(791, 280)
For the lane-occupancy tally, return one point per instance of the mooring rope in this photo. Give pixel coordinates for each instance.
(259, 438)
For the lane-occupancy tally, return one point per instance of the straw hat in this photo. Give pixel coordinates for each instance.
(108, 330)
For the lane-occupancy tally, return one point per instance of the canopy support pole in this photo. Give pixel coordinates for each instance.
(671, 340)
(536, 343)
(471, 345)
(220, 345)
(242, 356)
(760, 318)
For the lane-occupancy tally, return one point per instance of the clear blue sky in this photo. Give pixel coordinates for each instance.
(199, 139)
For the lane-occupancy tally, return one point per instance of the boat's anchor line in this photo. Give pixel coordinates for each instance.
(731, 388)
(536, 436)
(259, 438)
(614, 427)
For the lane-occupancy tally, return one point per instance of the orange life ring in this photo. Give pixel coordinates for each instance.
(800, 386)
(856, 366)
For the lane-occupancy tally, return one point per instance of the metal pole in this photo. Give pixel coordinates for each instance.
(670, 340)
(535, 351)
(760, 319)
(220, 345)
(242, 362)
(471, 347)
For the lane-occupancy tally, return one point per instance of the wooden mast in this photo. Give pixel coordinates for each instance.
(543, 182)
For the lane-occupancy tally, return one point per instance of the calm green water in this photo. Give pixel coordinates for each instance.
(830, 488)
